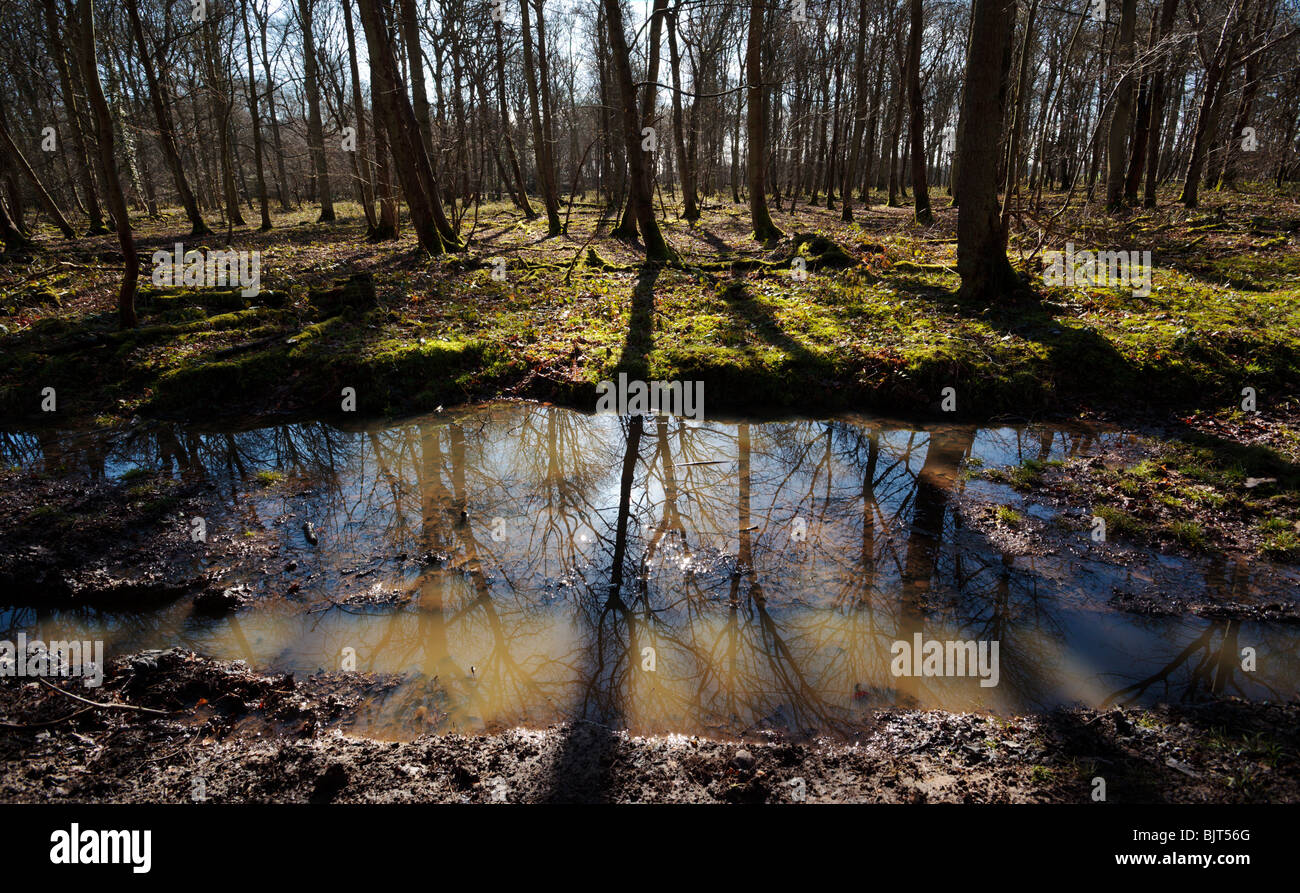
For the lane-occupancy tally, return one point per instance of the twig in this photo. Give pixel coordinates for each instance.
(98, 704)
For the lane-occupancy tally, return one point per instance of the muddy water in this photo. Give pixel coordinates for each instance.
(523, 564)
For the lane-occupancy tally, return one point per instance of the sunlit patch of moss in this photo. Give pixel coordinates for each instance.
(140, 491)
(1205, 496)
(1281, 538)
(1025, 476)
(1008, 517)
(1147, 469)
(1128, 486)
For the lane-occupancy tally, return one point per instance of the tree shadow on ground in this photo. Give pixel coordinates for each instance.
(1077, 357)
(582, 769)
(637, 347)
(758, 316)
(1109, 746)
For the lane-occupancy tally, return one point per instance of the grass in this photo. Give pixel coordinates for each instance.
(1188, 533)
(1118, 523)
(1025, 476)
(1279, 542)
(875, 324)
(1042, 775)
(1008, 517)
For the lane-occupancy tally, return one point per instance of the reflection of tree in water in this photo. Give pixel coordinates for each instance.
(623, 535)
(1210, 664)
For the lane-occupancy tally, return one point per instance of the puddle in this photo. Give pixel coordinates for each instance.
(525, 564)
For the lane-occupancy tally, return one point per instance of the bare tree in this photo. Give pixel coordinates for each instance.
(113, 185)
(981, 236)
(756, 123)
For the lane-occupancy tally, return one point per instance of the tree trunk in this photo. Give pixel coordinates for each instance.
(518, 186)
(166, 131)
(281, 178)
(113, 185)
(685, 163)
(10, 235)
(656, 248)
(415, 169)
(756, 124)
(1122, 117)
(221, 99)
(1208, 111)
(415, 72)
(920, 188)
(315, 128)
(541, 150)
(363, 144)
(81, 153)
(981, 238)
(10, 148)
(861, 99)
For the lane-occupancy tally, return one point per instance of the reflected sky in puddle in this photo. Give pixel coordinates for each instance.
(525, 564)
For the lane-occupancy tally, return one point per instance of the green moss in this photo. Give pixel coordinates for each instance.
(1008, 517)
(1118, 523)
(1025, 476)
(1280, 540)
(1189, 533)
(222, 383)
(874, 327)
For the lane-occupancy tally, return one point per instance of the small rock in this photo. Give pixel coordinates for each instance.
(309, 531)
(145, 662)
(500, 790)
(743, 760)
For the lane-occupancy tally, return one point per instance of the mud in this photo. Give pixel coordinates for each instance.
(230, 734)
(76, 540)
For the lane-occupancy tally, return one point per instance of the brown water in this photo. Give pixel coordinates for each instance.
(524, 564)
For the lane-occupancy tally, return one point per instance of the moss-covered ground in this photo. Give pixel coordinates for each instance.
(836, 315)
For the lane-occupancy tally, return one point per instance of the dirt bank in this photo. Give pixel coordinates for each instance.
(231, 735)
(70, 539)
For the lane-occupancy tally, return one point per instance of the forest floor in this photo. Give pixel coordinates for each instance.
(225, 734)
(875, 326)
